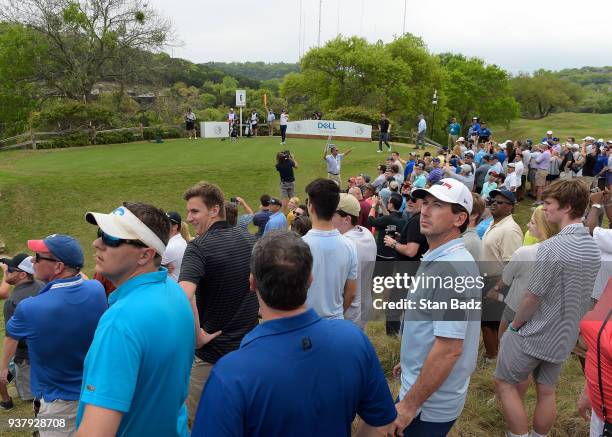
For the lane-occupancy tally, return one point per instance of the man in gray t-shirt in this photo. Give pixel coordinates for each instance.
(545, 328)
(18, 272)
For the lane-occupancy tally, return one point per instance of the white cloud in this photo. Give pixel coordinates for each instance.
(519, 35)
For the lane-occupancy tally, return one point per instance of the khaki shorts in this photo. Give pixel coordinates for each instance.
(540, 178)
(200, 371)
(335, 178)
(514, 366)
(61, 415)
(287, 189)
(22, 380)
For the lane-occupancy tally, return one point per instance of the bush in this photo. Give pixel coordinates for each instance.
(117, 137)
(74, 140)
(69, 114)
(357, 114)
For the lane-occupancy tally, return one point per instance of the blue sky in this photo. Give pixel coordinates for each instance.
(518, 35)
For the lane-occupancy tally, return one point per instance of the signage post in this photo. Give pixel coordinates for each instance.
(240, 103)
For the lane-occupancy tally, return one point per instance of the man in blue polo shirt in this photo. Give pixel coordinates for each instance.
(295, 373)
(277, 220)
(136, 374)
(439, 347)
(58, 325)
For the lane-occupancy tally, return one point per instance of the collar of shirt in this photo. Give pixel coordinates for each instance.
(499, 223)
(222, 224)
(574, 228)
(281, 326)
(445, 249)
(146, 278)
(319, 233)
(62, 283)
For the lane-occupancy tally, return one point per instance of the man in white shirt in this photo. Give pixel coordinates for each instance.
(271, 118)
(511, 182)
(345, 220)
(421, 129)
(173, 256)
(334, 160)
(519, 169)
(231, 117)
(254, 121)
(284, 119)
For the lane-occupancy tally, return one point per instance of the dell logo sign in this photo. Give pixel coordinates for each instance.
(326, 125)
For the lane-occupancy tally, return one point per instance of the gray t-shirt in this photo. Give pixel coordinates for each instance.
(563, 276)
(20, 292)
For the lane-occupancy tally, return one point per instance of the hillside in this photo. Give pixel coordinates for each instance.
(255, 70)
(563, 125)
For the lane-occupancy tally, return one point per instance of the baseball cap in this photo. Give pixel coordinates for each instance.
(450, 191)
(122, 223)
(419, 165)
(474, 118)
(436, 159)
(63, 247)
(589, 138)
(460, 140)
(174, 217)
(21, 261)
(609, 142)
(505, 193)
(549, 132)
(349, 204)
(511, 164)
(469, 153)
(466, 168)
(393, 185)
(275, 201)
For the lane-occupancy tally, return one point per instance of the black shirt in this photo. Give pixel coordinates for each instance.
(381, 223)
(218, 262)
(589, 165)
(384, 125)
(19, 293)
(411, 233)
(568, 157)
(286, 170)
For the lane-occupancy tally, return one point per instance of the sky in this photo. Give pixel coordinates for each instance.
(518, 35)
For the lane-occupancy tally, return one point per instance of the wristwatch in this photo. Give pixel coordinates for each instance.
(394, 245)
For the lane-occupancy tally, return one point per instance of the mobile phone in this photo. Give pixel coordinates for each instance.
(234, 199)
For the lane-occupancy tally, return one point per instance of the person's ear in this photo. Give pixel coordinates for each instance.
(252, 283)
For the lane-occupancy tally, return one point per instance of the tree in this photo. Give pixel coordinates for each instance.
(91, 40)
(544, 93)
(477, 89)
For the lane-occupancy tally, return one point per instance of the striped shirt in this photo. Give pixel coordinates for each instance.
(218, 263)
(563, 276)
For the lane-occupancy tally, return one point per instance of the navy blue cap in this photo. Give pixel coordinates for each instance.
(505, 193)
(63, 247)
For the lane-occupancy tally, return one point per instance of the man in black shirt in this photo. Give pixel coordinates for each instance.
(410, 248)
(18, 272)
(215, 276)
(384, 126)
(285, 163)
(261, 217)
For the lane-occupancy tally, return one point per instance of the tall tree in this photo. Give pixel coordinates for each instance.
(91, 40)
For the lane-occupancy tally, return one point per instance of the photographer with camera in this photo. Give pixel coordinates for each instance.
(285, 163)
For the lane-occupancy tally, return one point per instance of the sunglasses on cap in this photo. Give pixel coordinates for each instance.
(111, 241)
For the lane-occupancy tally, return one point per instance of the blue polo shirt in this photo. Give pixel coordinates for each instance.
(58, 325)
(296, 376)
(409, 168)
(276, 221)
(141, 356)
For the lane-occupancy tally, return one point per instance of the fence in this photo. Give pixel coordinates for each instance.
(35, 140)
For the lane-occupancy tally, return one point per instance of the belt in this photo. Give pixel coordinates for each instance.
(335, 174)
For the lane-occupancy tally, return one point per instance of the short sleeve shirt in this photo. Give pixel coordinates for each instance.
(500, 241)
(563, 276)
(19, 293)
(334, 163)
(277, 221)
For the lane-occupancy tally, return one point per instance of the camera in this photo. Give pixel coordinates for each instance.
(286, 154)
(234, 200)
(391, 231)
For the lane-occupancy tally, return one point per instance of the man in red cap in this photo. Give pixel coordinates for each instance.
(58, 325)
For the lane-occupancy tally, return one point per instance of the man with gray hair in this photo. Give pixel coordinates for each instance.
(465, 176)
(289, 353)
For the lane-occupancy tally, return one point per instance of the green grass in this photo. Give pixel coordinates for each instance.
(566, 124)
(46, 192)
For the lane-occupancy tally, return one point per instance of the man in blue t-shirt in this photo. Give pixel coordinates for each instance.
(295, 373)
(58, 326)
(277, 220)
(454, 129)
(136, 376)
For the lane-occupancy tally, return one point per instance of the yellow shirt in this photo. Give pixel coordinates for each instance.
(499, 244)
(529, 239)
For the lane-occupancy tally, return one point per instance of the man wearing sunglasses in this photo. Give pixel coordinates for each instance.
(503, 237)
(18, 273)
(136, 374)
(58, 325)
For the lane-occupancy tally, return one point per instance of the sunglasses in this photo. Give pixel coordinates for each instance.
(111, 241)
(499, 202)
(13, 269)
(297, 214)
(38, 258)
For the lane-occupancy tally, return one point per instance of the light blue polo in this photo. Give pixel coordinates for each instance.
(141, 356)
(421, 327)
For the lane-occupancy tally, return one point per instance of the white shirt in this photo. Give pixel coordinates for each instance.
(365, 244)
(284, 118)
(526, 157)
(174, 255)
(510, 181)
(519, 170)
(517, 274)
(603, 238)
(190, 116)
(333, 163)
(231, 116)
(422, 125)
(254, 118)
